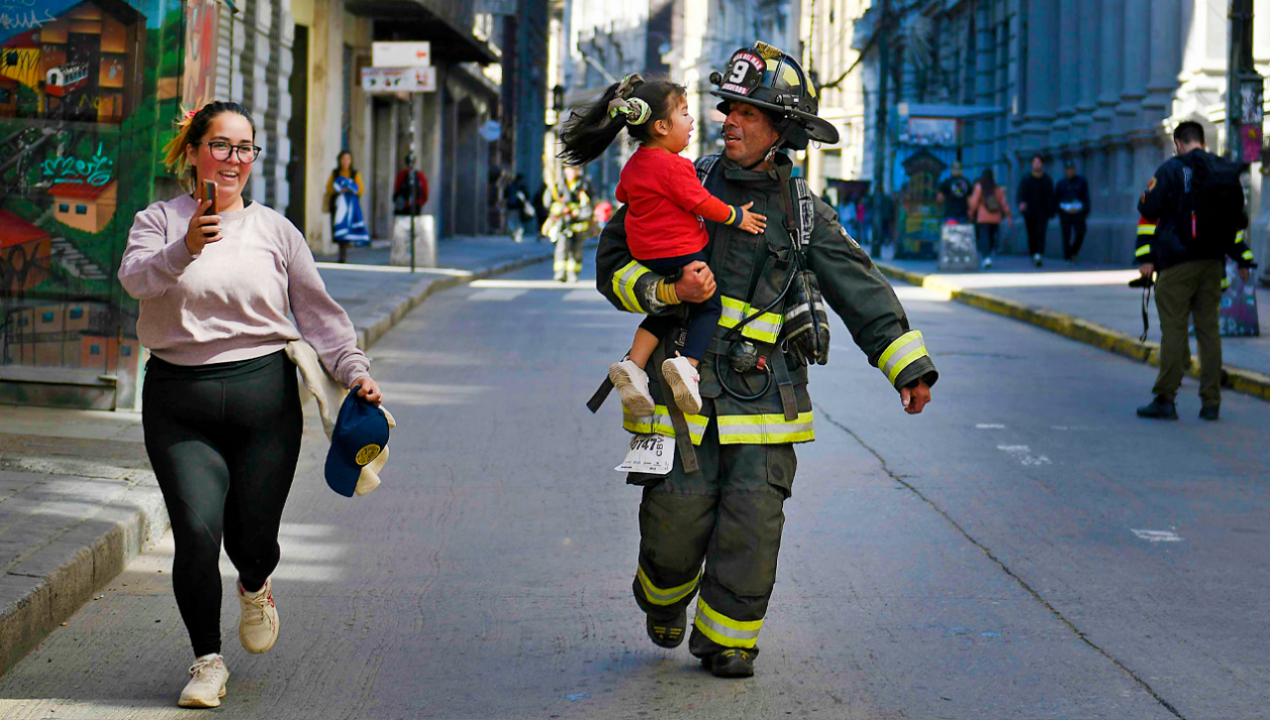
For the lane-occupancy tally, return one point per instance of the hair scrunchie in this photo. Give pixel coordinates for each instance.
(634, 111)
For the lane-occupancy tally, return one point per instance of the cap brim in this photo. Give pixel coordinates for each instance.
(818, 129)
(341, 475)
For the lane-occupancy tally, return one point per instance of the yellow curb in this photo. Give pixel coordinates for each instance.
(1249, 382)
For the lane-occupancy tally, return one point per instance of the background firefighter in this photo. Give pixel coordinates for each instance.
(570, 208)
(728, 513)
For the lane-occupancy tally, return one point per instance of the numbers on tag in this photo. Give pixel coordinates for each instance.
(650, 454)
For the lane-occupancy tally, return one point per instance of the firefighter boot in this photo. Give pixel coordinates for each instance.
(731, 663)
(668, 631)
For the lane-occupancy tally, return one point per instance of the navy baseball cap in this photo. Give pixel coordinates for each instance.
(360, 435)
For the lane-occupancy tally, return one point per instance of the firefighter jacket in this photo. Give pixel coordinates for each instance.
(750, 271)
(571, 202)
(1162, 206)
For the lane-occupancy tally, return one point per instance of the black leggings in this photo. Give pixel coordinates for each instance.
(224, 440)
(703, 317)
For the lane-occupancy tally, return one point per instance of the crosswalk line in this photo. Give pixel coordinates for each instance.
(591, 295)
(495, 295)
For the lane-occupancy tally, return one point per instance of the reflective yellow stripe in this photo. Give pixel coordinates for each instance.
(1239, 237)
(901, 353)
(1225, 283)
(658, 596)
(1247, 255)
(764, 328)
(724, 630)
(624, 285)
(1144, 250)
(1146, 229)
(765, 429)
(659, 423)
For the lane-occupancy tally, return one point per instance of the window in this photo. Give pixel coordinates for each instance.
(81, 209)
(94, 349)
(77, 313)
(126, 351)
(47, 317)
(63, 207)
(24, 321)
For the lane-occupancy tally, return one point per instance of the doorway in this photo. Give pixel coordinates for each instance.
(297, 131)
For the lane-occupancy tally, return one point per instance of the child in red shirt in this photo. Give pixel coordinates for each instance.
(665, 208)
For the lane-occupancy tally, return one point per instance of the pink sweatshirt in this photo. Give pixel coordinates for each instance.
(233, 300)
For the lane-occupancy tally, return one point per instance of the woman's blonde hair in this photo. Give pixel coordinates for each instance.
(190, 128)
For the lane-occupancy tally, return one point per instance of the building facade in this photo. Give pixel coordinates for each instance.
(1098, 82)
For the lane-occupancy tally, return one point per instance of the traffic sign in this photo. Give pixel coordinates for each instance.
(375, 79)
(401, 54)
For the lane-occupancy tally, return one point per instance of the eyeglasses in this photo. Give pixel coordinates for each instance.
(221, 150)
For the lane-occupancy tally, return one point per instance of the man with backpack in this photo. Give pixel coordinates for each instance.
(1194, 209)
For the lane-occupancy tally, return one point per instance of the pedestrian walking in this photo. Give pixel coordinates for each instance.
(569, 222)
(520, 211)
(954, 193)
(1072, 194)
(219, 281)
(410, 189)
(1037, 205)
(343, 190)
(720, 502)
(664, 232)
(986, 207)
(1192, 217)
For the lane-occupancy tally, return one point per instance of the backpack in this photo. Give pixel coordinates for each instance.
(991, 204)
(1212, 202)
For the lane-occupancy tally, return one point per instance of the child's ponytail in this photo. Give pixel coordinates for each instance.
(632, 104)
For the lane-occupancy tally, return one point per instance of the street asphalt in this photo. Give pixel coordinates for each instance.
(1026, 548)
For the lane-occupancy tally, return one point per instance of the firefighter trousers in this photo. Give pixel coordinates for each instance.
(1184, 292)
(567, 263)
(728, 516)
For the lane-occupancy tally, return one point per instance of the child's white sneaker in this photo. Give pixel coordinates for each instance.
(206, 687)
(632, 384)
(258, 627)
(683, 380)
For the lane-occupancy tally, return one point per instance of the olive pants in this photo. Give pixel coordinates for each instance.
(1192, 289)
(730, 516)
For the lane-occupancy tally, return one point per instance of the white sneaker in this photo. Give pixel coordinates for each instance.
(987, 262)
(1036, 258)
(683, 380)
(258, 627)
(206, 687)
(632, 384)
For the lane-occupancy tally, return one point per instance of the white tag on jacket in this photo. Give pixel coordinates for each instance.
(652, 454)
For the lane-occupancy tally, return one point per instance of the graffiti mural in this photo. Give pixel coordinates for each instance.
(81, 116)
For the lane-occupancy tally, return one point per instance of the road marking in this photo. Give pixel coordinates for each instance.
(989, 426)
(392, 269)
(584, 296)
(1155, 536)
(533, 284)
(495, 295)
(1023, 454)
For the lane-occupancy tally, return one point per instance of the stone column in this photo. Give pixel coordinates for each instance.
(1090, 71)
(1110, 23)
(1038, 80)
(1067, 63)
(1137, 58)
(984, 131)
(1166, 34)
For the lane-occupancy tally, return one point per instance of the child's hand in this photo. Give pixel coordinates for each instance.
(752, 222)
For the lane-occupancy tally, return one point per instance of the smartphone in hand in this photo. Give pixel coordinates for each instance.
(209, 193)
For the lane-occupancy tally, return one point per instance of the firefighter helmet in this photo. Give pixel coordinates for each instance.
(770, 79)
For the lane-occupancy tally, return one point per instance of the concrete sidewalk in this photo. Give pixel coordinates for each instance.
(77, 497)
(1090, 303)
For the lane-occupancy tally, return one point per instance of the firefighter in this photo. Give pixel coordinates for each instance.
(711, 526)
(1193, 216)
(569, 224)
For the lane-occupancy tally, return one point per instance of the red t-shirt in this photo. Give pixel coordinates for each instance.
(662, 192)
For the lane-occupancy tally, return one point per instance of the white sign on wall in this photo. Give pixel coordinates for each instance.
(376, 79)
(401, 54)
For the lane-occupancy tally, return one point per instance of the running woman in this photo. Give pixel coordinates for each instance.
(222, 419)
(665, 206)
